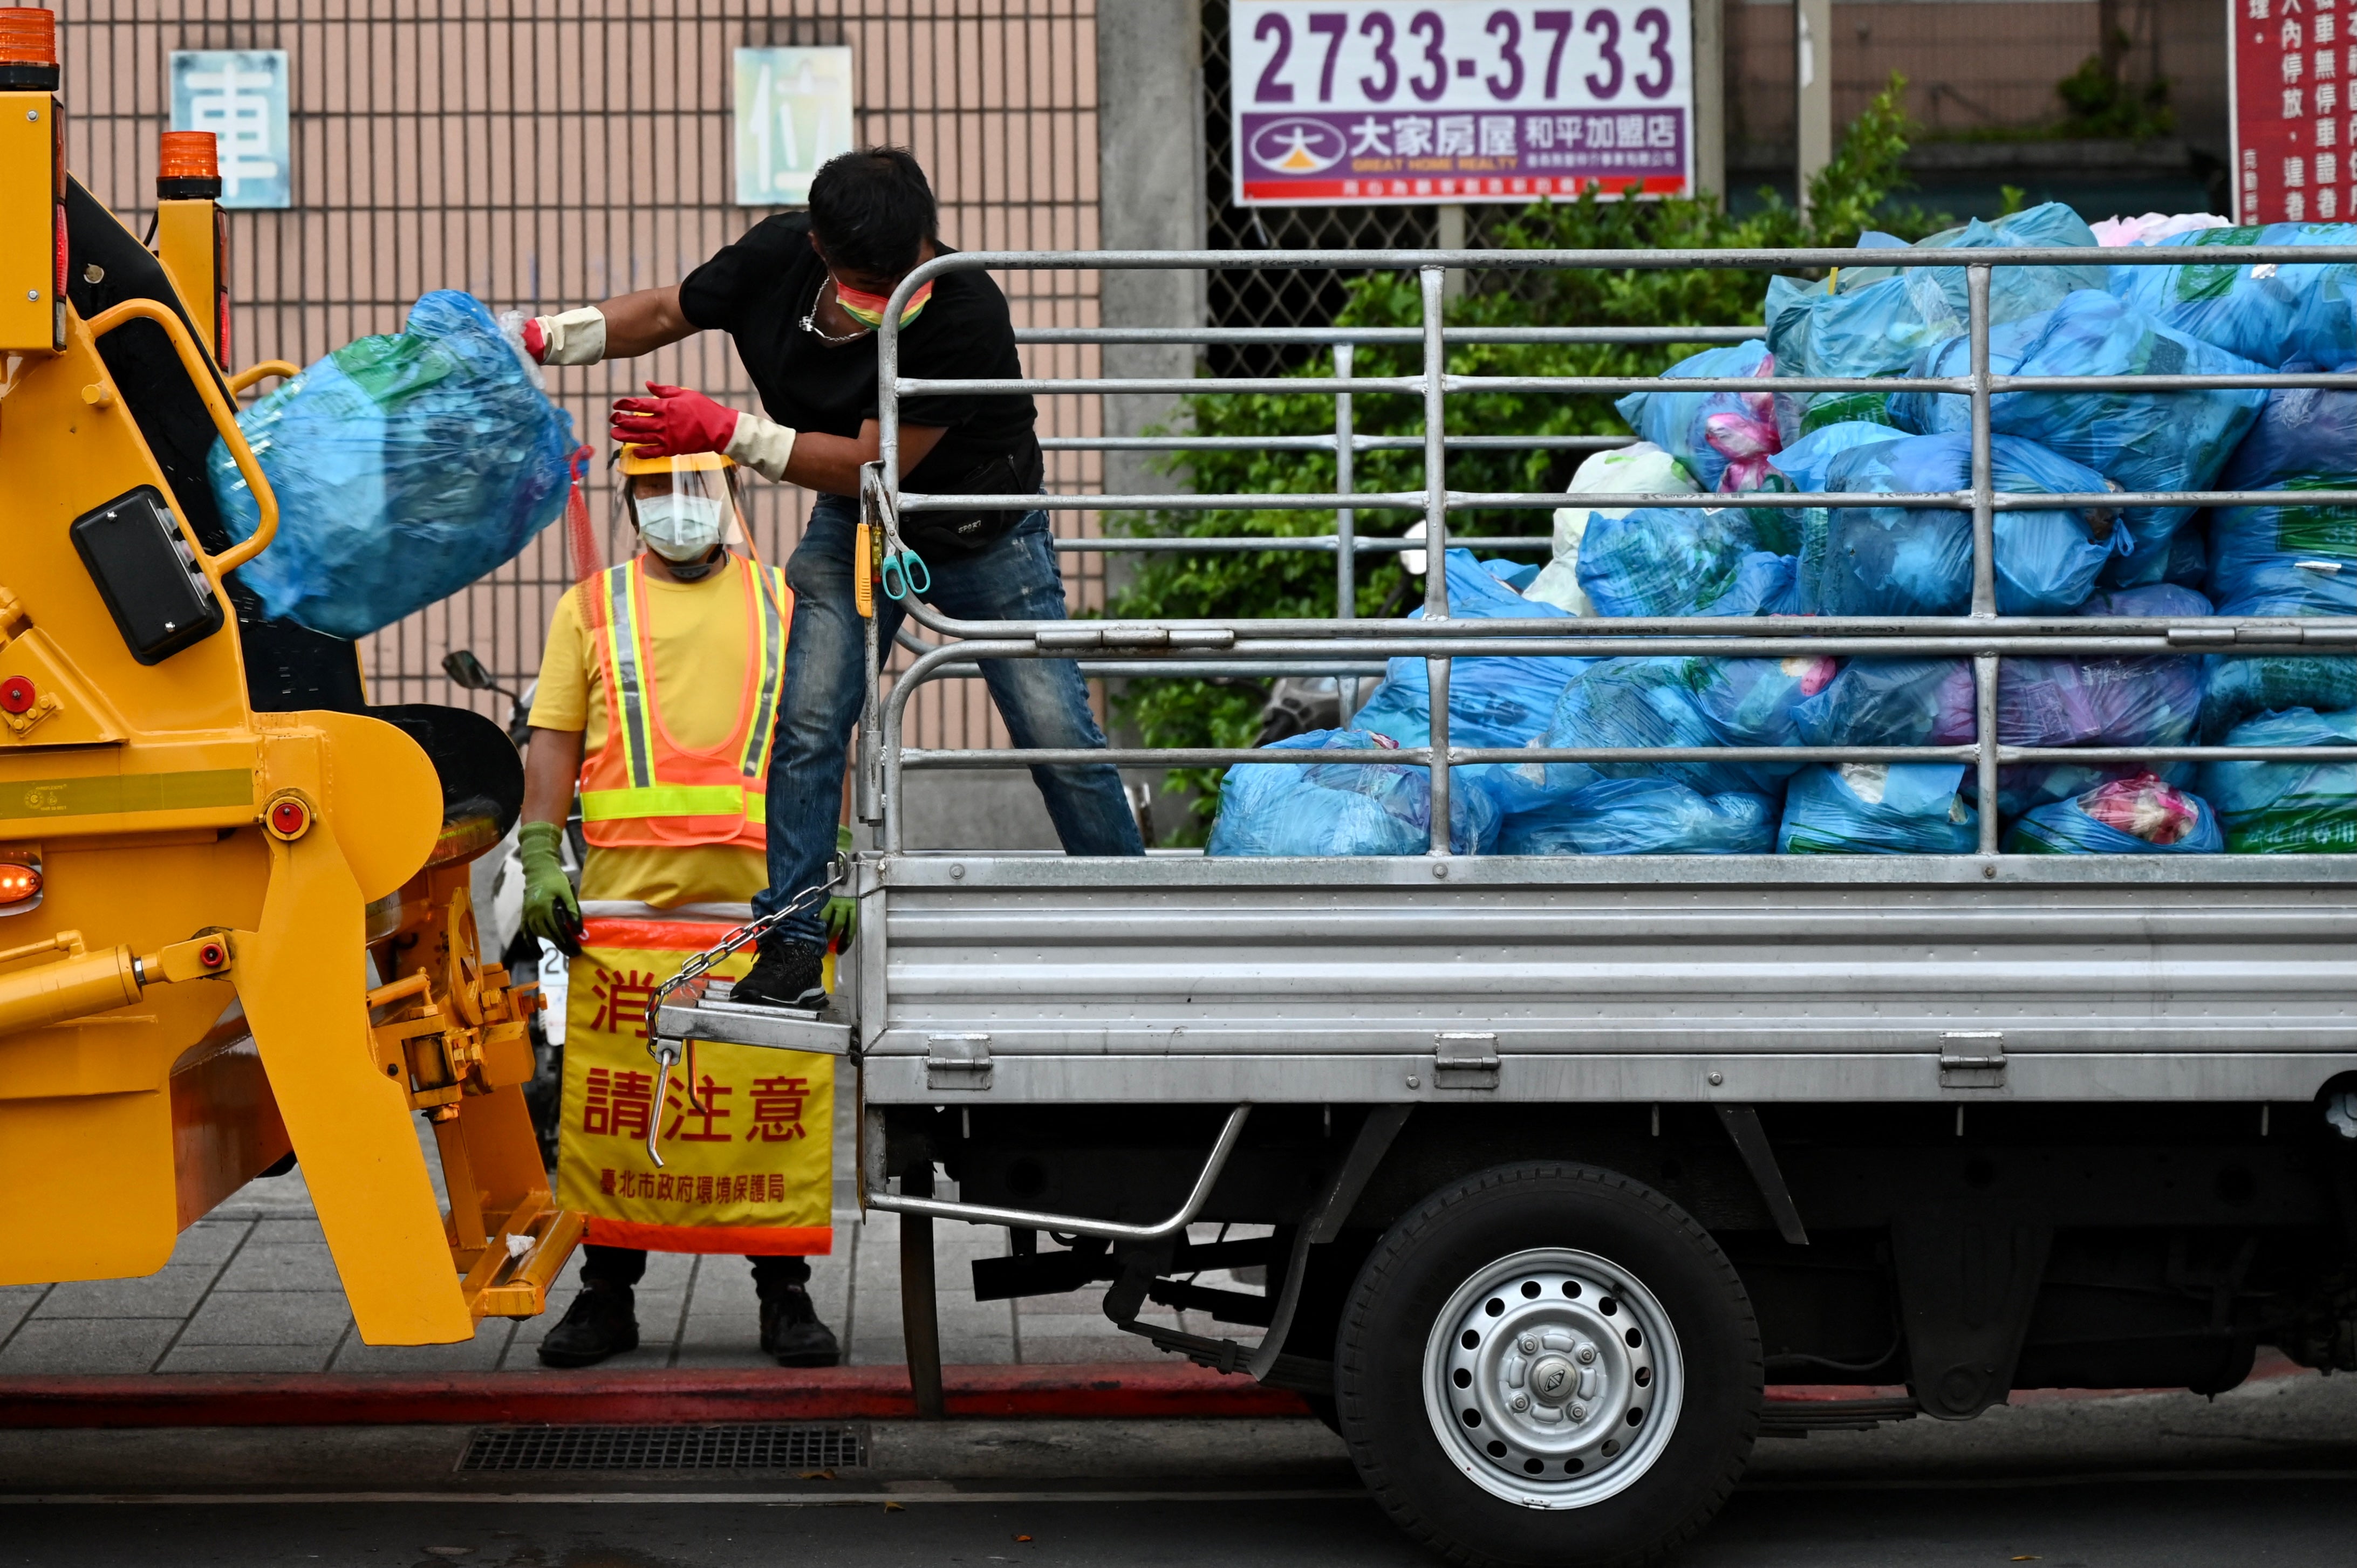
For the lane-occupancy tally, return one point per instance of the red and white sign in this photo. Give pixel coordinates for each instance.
(1339, 103)
(2289, 65)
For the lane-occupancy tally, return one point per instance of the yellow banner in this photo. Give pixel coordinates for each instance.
(749, 1160)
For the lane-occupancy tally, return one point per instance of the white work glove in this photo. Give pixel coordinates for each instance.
(762, 445)
(574, 338)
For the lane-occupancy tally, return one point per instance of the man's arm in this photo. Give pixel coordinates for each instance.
(830, 463)
(551, 909)
(551, 764)
(623, 327)
(642, 322)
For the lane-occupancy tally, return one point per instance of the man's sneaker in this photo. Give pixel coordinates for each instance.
(791, 1332)
(601, 1322)
(785, 974)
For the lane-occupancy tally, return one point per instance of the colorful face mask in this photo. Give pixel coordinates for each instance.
(869, 308)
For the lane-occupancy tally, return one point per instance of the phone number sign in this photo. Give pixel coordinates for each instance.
(1459, 100)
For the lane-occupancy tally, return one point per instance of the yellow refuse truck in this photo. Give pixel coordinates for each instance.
(234, 919)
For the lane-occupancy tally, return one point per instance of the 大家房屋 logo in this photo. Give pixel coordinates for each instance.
(1295, 146)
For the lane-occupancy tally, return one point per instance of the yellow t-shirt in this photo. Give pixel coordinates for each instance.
(699, 641)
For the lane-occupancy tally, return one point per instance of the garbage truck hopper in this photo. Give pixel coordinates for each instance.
(234, 918)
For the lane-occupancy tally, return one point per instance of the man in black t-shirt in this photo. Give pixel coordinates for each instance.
(802, 294)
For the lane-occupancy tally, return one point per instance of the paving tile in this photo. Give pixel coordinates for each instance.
(209, 1240)
(306, 1317)
(16, 1302)
(281, 1266)
(246, 1359)
(287, 1230)
(480, 1354)
(172, 1291)
(723, 1287)
(87, 1344)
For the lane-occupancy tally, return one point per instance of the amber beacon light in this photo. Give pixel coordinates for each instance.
(29, 49)
(190, 168)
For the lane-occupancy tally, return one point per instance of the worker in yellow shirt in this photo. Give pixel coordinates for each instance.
(657, 699)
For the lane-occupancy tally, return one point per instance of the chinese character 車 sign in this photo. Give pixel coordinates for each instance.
(2289, 60)
(792, 113)
(239, 95)
(1459, 100)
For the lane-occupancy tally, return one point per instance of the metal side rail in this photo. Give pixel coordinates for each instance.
(700, 1010)
(1068, 1224)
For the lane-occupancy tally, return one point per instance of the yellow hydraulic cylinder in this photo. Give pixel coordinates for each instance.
(74, 986)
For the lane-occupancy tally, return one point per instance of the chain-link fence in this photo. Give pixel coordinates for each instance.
(550, 153)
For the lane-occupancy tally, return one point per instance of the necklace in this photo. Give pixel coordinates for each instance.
(811, 325)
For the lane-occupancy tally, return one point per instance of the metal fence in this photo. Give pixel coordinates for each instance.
(1346, 642)
(551, 153)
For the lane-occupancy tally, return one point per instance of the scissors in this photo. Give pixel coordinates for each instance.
(904, 571)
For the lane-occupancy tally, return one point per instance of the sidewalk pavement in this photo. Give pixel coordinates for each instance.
(252, 1288)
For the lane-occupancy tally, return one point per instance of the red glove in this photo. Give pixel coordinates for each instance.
(673, 423)
(535, 342)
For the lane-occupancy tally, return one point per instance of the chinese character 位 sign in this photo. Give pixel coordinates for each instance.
(792, 113)
(2290, 61)
(1459, 100)
(239, 95)
(747, 1134)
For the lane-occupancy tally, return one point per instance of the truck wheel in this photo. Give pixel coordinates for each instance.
(1549, 1364)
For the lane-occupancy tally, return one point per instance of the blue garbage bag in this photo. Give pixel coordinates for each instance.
(1491, 702)
(2138, 815)
(1644, 816)
(1703, 430)
(2100, 701)
(2267, 315)
(1803, 468)
(1918, 561)
(405, 466)
(1672, 702)
(2288, 808)
(1878, 329)
(2285, 560)
(1342, 808)
(2189, 555)
(1683, 560)
(2138, 440)
(1872, 808)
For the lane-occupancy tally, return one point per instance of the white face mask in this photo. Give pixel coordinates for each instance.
(680, 528)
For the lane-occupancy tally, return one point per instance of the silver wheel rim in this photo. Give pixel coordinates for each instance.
(1553, 1378)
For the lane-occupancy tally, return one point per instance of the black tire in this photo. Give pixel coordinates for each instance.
(1469, 1228)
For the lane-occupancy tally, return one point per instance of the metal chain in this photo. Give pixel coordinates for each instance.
(700, 964)
(667, 1053)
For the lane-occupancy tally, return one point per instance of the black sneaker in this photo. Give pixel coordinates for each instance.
(599, 1322)
(791, 1332)
(785, 974)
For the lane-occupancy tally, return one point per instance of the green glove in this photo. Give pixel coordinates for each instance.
(551, 910)
(842, 913)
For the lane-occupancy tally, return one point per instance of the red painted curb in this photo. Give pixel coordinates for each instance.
(829, 1393)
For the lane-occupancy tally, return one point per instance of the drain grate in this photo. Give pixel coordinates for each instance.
(751, 1446)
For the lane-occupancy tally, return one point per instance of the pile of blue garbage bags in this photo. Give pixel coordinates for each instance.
(2205, 316)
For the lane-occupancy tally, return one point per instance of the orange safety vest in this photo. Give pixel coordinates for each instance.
(641, 788)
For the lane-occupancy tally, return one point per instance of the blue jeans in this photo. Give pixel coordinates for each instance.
(1044, 700)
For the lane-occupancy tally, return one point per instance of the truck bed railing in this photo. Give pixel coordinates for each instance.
(1255, 646)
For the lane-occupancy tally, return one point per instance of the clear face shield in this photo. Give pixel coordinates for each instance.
(682, 507)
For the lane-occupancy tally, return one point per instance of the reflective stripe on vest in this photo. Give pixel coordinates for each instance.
(769, 587)
(624, 608)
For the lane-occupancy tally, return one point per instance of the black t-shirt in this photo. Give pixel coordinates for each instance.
(757, 291)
